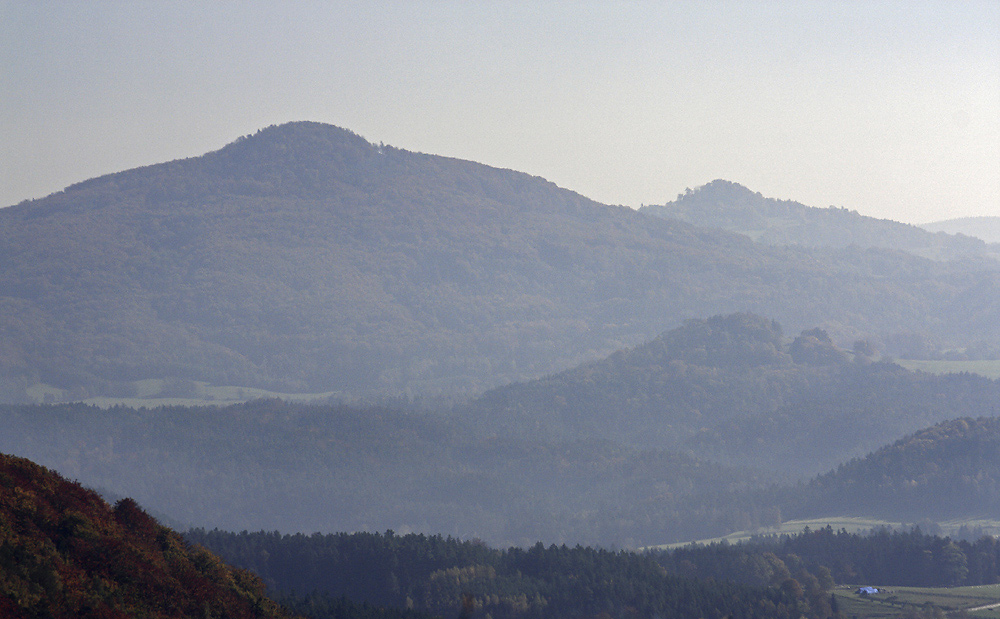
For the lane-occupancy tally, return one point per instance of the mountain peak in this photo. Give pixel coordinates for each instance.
(732, 207)
(304, 134)
(719, 188)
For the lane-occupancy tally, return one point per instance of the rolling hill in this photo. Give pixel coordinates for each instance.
(729, 206)
(733, 388)
(306, 259)
(985, 228)
(945, 473)
(674, 440)
(949, 470)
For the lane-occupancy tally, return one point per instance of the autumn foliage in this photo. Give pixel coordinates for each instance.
(64, 552)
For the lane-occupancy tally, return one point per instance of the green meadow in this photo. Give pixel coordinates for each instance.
(155, 392)
(896, 601)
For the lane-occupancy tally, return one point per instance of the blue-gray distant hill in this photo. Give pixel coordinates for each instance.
(985, 228)
(306, 259)
(736, 389)
(729, 206)
(950, 470)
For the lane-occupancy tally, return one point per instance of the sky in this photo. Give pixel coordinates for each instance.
(891, 109)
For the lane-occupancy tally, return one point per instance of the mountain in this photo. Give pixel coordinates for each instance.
(64, 552)
(306, 259)
(735, 389)
(729, 206)
(985, 228)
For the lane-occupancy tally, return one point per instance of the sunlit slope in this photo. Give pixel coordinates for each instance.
(64, 552)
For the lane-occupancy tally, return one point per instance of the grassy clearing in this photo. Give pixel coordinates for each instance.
(204, 395)
(850, 523)
(990, 369)
(155, 392)
(891, 601)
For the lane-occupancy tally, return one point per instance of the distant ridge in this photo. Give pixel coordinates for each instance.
(985, 228)
(732, 207)
(305, 259)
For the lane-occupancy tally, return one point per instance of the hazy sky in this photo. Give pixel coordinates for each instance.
(891, 108)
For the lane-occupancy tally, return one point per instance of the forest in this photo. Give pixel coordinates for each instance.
(896, 558)
(786, 574)
(443, 575)
(735, 389)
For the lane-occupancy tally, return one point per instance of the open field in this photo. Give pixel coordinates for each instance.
(792, 527)
(850, 523)
(155, 392)
(893, 601)
(990, 369)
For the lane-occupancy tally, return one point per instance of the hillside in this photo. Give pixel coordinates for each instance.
(65, 553)
(985, 228)
(735, 388)
(306, 259)
(272, 465)
(946, 472)
(951, 469)
(729, 206)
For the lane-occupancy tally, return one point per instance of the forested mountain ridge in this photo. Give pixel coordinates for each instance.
(769, 572)
(729, 206)
(306, 259)
(734, 388)
(65, 553)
